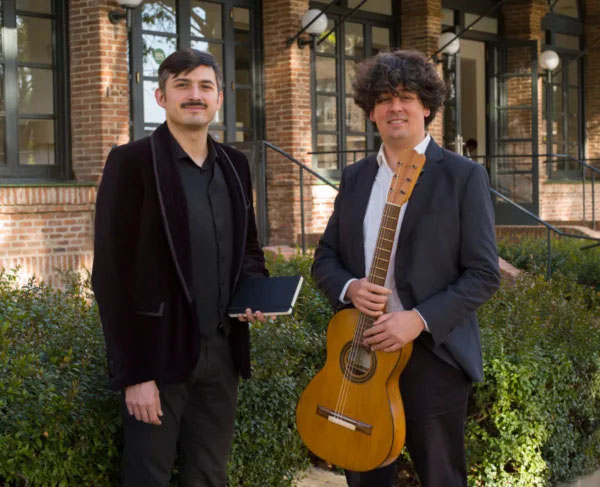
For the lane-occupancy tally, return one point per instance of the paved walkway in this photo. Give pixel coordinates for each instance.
(317, 477)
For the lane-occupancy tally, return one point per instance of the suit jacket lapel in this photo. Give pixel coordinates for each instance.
(173, 206)
(239, 205)
(361, 192)
(422, 191)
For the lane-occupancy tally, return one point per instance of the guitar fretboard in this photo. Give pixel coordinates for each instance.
(385, 242)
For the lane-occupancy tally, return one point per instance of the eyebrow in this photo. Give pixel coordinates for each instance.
(188, 80)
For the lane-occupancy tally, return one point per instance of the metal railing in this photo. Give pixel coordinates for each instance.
(549, 227)
(301, 168)
(551, 159)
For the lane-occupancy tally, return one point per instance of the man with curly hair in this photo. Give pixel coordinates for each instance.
(443, 266)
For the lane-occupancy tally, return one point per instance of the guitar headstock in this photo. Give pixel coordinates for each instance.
(406, 172)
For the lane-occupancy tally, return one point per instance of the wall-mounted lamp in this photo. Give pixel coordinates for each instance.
(549, 61)
(448, 43)
(314, 23)
(115, 16)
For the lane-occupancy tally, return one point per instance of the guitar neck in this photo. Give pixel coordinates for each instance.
(385, 242)
(381, 255)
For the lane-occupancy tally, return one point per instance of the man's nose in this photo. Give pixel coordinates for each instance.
(396, 104)
(195, 92)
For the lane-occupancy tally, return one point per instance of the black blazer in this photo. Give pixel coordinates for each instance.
(446, 261)
(142, 273)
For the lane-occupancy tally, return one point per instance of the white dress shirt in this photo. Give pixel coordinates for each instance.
(372, 222)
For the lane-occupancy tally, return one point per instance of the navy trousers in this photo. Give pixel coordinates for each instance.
(435, 396)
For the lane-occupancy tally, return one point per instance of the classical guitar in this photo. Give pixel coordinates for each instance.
(351, 413)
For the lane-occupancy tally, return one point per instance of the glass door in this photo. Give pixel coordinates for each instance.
(514, 128)
(228, 30)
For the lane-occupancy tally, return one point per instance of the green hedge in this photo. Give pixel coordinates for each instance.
(58, 424)
(531, 254)
(534, 420)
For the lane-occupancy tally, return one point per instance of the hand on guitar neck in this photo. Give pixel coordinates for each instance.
(390, 331)
(368, 298)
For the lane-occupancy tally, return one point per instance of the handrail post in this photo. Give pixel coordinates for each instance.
(549, 265)
(593, 202)
(583, 190)
(302, 210)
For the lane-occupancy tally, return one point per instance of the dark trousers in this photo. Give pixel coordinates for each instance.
(435, 398)
(197, 424)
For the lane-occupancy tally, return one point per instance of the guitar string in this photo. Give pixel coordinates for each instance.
(358, 332)
(387, 217)
(362, 321)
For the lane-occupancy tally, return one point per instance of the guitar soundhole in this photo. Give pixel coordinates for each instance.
(358, 363)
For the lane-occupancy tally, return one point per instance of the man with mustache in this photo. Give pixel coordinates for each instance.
(175, 232)
(443, 263)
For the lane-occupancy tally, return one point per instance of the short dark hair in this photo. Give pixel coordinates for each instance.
(383, 73)
(184, 61)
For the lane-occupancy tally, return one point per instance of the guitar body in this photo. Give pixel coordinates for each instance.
(351, 413)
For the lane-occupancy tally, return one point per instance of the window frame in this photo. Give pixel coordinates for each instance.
(368, 20)
(12, 171)
(554, 24)
(183, 39)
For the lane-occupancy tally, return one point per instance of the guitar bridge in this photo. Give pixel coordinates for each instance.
(344, 421)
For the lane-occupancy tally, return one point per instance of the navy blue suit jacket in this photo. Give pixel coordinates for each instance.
(446, 262)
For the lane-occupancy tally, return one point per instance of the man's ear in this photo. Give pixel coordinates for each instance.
(161, 97)
(371, 116)
(220, 99)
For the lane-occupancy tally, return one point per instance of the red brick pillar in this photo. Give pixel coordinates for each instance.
(99, 85)
(420, 28)
(287, 113)
(592, 75)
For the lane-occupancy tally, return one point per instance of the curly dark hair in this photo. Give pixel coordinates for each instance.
(383, 73)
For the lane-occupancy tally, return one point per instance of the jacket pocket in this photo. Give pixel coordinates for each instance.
(157, 312)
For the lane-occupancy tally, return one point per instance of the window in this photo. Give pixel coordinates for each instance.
(341, 132)
(224, 29)
(32, 97)
(563, 94)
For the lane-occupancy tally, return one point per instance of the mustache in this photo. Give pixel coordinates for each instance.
(194, 103)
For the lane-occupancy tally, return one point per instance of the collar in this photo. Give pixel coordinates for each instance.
(421, 147)
(180, 154)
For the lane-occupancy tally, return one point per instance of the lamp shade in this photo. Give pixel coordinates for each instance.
(549, 60)
(319, 26)
(130, 3)
(451, 48)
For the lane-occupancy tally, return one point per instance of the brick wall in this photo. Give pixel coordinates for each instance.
(288, 115)
(592, 75)
(45, 229)
(99, 85)
(420, 28)
(564, 202)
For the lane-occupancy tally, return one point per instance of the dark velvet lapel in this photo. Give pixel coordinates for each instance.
(173, 206)
(422, 192)
(239, 205)
(361, 192)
